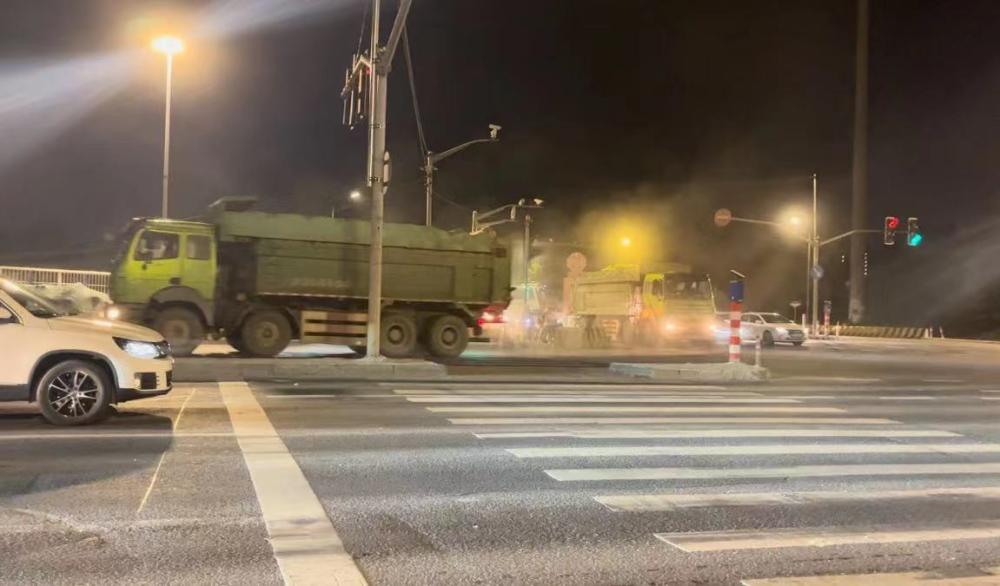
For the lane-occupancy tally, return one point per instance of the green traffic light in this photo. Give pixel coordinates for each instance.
(916, 239)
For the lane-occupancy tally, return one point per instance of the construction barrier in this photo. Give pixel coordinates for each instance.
(881, 331)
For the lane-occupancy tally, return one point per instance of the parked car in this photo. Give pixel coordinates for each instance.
(769, 328)
(74, 367)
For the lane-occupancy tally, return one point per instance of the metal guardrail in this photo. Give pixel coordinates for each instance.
(97, 280)
(881, 331)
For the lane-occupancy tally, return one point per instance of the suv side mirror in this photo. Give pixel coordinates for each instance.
(6, 317)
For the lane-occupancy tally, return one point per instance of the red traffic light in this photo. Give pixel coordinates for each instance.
(889, 233)
(892, 222)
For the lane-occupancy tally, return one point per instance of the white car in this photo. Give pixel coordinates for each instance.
(74, 368)
(771, 328)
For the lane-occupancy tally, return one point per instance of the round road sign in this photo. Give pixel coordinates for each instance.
(722, 217)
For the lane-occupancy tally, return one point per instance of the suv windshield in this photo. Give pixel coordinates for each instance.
(35, 305)
(775, 318)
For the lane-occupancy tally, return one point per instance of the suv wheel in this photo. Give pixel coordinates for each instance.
(74, 392)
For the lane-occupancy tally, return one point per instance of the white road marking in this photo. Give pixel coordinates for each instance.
(907, 398)
(943, 380)
(985, 577)
(719, 433)
(305, 543)
(839, 379)
(112, 435)
(585, 474)
(318, 396)
(564, 388)
(824, 537)
(608, 409)
(658, 420)
(990, 398)
(593, 399)
(163, 456)
(990, 391)
(753, 450)
(670, 502)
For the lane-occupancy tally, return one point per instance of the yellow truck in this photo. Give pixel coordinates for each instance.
(666, 304)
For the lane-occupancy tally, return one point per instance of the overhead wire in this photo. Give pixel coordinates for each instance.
(413, 93)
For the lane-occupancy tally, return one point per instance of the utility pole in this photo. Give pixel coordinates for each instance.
(376, 68)
(527, 259)
(859, 177)
(814, 305)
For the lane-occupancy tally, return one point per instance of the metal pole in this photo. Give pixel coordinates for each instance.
(814, 306)
(166, 137)
(859, 176)
(527, 259)
(376, 161)
(429, 188)
(809, 259)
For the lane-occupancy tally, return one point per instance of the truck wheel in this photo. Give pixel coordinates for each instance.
(399, 335)
(447, 336)
(182, 328)
(236, 341)
(265, 333)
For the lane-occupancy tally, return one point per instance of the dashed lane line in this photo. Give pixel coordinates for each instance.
(305, 543)
(807, 471)
(609, 409)
(672, 502)
(961, 576)
(631, 433)
(672, 420)
(752, 450)
(699, 542)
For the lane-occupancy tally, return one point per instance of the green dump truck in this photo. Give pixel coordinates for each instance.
(660, 304)
(259, 280)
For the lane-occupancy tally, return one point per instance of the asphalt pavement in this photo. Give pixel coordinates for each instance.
(873, 459)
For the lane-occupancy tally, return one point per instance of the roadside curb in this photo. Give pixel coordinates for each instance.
(213, 369)
(703, 373)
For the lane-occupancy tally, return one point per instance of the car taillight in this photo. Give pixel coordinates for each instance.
(491, 317)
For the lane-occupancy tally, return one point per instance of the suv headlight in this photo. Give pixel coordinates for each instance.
(139, 349)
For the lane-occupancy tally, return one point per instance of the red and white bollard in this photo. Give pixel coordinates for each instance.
(735, 319)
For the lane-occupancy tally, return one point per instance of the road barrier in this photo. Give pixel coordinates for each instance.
(97, 280)
(882, 331)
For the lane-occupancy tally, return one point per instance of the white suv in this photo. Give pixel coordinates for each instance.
(74, 367)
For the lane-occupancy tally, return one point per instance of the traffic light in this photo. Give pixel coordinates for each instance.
(889, 234)
(913, 235)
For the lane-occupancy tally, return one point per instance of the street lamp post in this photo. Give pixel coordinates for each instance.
(431, 158)
(168, 46)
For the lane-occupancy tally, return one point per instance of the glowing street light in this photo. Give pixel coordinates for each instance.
(626, 242)
(168, 46)
(355, 195)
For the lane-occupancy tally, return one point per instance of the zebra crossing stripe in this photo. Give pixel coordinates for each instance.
(569, 388)
(671, 502)
(807, 471)
(674, 420)
(697, 542)
(963, 577)
(753, 450)
(720, 433)
(609, 409)
(594, 399)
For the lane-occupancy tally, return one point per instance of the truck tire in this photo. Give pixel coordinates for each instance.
(265, 333)
(399, 335)
(236, 341)
(182, 329)
(447, 336)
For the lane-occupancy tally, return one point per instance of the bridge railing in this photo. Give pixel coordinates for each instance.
(97, 280)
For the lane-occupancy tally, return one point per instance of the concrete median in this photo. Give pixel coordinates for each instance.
(702, 373)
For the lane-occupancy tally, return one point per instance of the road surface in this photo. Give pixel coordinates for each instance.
(864, 458)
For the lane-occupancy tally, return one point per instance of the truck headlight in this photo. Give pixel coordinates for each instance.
(111, 312)
(138, 349)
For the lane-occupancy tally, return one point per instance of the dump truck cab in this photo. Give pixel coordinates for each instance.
(165, 276)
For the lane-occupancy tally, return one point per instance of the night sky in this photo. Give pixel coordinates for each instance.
(658, 110)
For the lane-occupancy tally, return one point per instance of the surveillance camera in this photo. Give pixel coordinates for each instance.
(495, 131)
